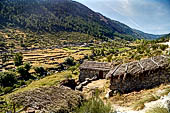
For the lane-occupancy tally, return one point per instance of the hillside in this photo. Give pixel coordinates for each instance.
(51, 16)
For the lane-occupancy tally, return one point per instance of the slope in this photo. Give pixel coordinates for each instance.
(52, 16)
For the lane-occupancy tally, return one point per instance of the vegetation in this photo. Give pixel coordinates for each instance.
(95, 105)
(158, 110)
(7, 79)
(40, 71)
(57, 16)
(70, 61)
(18, 59)
(24, 71)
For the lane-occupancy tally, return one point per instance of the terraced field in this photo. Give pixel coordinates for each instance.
(50, 58)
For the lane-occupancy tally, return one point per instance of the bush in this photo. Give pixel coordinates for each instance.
(24, 70)
(18, 59)
(95, 105)
(72, 69)
(7, 89)
(70, 61)
(163, 47)
(7, 79)
(40, 71)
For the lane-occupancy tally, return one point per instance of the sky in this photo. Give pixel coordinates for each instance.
(150, 16)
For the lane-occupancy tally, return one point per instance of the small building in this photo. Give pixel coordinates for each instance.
(137, 75)
(89, 69)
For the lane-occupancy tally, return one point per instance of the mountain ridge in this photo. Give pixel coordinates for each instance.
(62, 15)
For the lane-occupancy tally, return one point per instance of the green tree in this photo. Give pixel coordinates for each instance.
(18, 59)
(24, 70)
(7, 79)
(70, 61)
(40, 71)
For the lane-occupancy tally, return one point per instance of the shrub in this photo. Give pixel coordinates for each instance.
(18, 59)
(70, 61)
(95, 105)
(72, 69)
(109, 58)
(24, 70)
(40, 71)
(7, 89)
(7, 79)
(163, 47)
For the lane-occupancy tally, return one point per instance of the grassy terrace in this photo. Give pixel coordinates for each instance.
(44, 82)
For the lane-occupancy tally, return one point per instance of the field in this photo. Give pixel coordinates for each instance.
(50, 58)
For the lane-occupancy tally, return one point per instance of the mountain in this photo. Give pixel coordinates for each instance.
(147, 36)
(52, 16)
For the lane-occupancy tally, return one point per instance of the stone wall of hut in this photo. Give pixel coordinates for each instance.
(145, 80)
(87, 73)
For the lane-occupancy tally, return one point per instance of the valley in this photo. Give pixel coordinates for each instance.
(59, 56)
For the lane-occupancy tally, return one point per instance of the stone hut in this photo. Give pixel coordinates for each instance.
(137, 75)
(90, 69)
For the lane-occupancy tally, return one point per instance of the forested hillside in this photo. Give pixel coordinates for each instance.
(51, 16)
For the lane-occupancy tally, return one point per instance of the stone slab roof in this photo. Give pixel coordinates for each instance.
(136, 68)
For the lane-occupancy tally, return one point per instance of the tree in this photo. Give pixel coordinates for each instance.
(24, 70)
(18, 59)
(7, 79)
(70, 61)
(40, 71)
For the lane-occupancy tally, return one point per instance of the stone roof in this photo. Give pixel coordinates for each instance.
(93, 65)
(136, 68)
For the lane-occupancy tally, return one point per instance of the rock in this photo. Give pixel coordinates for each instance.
(84, 83)
(87, 79)
(166, 101)
(109, 94)
(30, 110)
(79, 87)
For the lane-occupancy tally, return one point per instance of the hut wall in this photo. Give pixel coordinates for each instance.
(87, 73)
(147, 79)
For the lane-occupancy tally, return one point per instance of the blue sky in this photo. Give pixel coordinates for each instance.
(150, 16)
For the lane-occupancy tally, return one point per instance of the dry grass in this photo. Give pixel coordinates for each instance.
(50, 58)
(157, 110)
(136, 100)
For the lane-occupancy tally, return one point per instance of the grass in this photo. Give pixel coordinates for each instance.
(137, 100)
(47, 81)
(158, 110)
(140, 103)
